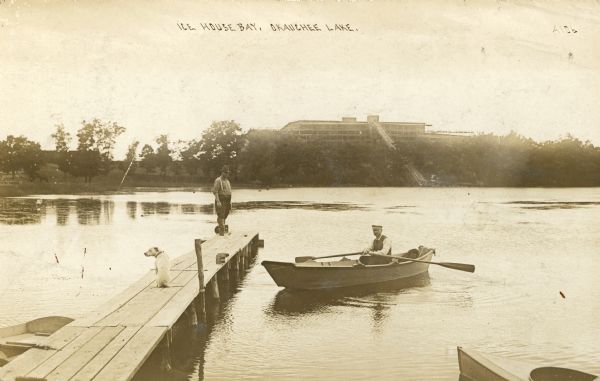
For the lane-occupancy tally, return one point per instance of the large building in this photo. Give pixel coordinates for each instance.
(372, 130)
(352, 130)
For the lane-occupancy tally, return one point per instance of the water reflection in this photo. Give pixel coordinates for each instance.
(92, 211)
(148, 208)
(132, 209)
(548, 205)
(88, 211)
(293, 302)
(164, 208)
(21, 211)
(108, 210)
(62, 208)
(196, 209)
(340, 206)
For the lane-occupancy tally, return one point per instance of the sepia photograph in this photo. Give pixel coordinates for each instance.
(299, 190)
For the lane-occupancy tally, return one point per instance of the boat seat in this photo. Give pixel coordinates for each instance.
(24, 340)
(369, 260)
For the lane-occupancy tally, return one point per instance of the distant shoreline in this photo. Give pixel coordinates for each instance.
(31, 189)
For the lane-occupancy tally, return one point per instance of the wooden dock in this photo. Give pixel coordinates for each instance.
(113, 342)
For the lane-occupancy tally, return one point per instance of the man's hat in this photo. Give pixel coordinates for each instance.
(376, 226)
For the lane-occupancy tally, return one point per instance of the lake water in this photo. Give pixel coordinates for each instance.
(64, 255)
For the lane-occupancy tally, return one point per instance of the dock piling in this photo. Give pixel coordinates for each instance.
(167, 350)
(224, 273)
(214, 288)
(200, 300)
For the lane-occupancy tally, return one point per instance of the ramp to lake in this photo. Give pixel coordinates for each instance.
(113, 341)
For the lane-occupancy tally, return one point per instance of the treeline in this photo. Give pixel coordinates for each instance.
(507, 161)
(270, 158)
(482, 160)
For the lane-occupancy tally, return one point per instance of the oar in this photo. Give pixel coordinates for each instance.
(455, 266)
(309, 258)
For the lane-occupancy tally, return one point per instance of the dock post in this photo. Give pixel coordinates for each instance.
(167, 351)
(256, 244)
(224, 273)
(214, 287)
(247, 257)
(233, 267)
(200, 302)
(192, 316)
(242, 261)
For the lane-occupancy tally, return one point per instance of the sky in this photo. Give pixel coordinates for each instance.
(483, 66)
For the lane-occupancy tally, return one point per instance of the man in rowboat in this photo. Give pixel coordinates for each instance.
(380, 245)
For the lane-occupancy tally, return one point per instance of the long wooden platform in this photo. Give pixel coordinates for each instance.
(113, 341)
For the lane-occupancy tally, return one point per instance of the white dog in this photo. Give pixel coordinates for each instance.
(162, 265)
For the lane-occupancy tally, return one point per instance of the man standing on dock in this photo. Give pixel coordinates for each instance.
(222, 192)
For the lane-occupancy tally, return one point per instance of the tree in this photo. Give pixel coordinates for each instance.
(257, 157)
(163, 154)
(99, 136)
(86, 164)
(62, 140)
(31, 159)
(190, 157)
(219, 145)
(129, 162)
(96, 141)
(148, 158)
(9, 149)
(20, 153)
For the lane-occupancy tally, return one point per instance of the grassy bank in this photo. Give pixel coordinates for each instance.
(56, 182)
(25, 188)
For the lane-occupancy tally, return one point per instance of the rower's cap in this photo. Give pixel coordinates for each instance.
(376, 226)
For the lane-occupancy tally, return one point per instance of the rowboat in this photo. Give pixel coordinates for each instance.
(16, 339)
(367, 270)
(478, 366)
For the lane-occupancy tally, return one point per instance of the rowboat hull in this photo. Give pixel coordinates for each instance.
(478, 366)
(16, 339)
(313, 275)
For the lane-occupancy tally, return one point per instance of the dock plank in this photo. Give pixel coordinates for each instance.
(147, 281)
(87, 352)
(46, 367)
(33, 357)
(140, 308)
(135, 352)
(141, 313)
(93, 367)
(228, 244)
(171, 312)
(183, 278)
(114, 303)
